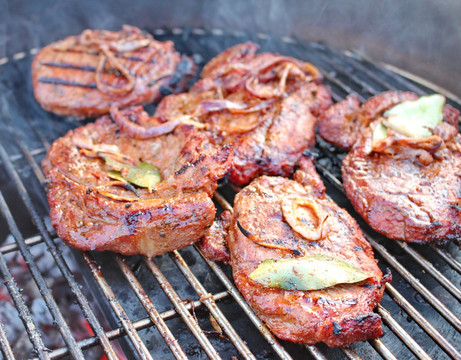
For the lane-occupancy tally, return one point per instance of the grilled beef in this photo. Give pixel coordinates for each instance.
(265, 105)
(83, 75)
(407, 188)
(337, 315)
(97, 204)
(342, 123)
(214, 244)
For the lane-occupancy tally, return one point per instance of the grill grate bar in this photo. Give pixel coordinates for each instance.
(38, 278)
(382, 349)
(404, 82)
(138, 324)
(154, 315)
(444, 344)
(34, 152)
(428, 267)
(17, 298)
(5, 345)
(315, 352)
(427, 327)
(182, 310)
(270, 338)
(34, 240)
(211, 306)
(455, 264)
(402, 334)
(350, 353)
(62, 265)
(341, 84)
(117, 307)
(414, 282)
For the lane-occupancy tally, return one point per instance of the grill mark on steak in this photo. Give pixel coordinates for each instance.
(57, 81)
(84, 75)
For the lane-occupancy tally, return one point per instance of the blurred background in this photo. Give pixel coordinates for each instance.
(422, 37)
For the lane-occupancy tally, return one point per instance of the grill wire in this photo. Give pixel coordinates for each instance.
(180, 305)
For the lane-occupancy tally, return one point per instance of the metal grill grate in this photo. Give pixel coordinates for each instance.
(181, 305)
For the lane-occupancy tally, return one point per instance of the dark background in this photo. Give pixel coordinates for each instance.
(420, 36)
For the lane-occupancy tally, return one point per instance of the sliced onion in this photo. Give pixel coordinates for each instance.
(310, 233)
(139, 132)
(233, 107)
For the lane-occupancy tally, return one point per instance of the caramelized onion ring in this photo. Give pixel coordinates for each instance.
(314, 233)
(139, 132)
(107, 55)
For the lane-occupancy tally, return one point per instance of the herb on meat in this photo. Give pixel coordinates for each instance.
(143, 175)
(311, 272)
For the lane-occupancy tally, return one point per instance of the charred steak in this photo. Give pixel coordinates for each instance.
(282, 232)
(83, 75)
(406, 186)
(110, 191)
(342, 122)
(264, 104)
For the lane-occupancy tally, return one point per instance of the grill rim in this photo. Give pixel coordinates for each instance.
(378, 345)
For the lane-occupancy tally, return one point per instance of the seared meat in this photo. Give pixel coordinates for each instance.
(83, 75)
(407, 188)
(337, 315)
(214, 244)
(342, 123)
(265, 105)
(95, 207)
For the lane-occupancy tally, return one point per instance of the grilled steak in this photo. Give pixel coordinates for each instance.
(265, 105)
(342, 123)
(262, 231)
(406, 187)
(102, 196)
(83, 75)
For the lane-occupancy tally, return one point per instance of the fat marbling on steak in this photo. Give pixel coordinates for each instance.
(84, 75)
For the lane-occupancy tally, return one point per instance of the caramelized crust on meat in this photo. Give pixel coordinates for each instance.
(91, 214)
(214, 244)
(411, 189)
(342, 123)
(265, 105)
(338, 315)
(83, 75)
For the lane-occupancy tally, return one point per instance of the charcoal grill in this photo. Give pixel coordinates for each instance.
(180, 305)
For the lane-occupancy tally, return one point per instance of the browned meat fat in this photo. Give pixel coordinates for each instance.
(93, 207)
(408, 188)
(83, 75)
(214, 244)
(337, 315)
(264, 104)
(342, 123)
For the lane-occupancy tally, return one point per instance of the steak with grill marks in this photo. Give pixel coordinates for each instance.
(406, 188)
(264, 104)
(84, 75)
(95, 208)
(337, 315)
